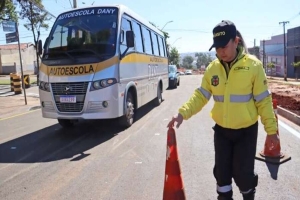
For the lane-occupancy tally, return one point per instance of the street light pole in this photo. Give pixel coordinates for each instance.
(176, 41)
(74, 3)
(166, 24)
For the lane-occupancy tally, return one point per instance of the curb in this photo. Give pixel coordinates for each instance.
(288, 115)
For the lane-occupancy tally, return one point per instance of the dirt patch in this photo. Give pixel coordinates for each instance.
(287, 95)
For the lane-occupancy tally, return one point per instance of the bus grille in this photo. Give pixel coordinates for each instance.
(75, 88)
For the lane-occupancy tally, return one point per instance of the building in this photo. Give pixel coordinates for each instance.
(274, 52)
(254, 51)
(293, 51)
(10, 58)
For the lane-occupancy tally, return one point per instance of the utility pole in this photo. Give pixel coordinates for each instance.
(74, 3)
(285, 67)
(21, 64)
(264, 55)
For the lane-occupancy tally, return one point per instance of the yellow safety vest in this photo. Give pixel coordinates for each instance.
(240, 93)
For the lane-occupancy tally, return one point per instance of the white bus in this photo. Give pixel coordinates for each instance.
(101, 62)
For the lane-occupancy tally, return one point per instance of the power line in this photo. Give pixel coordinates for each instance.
(71, 4)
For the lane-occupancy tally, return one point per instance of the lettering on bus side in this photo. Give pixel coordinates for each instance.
(155, 59)
(69, 71)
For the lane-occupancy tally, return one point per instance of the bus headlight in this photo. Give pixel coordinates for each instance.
(44, 86)
(100, 84)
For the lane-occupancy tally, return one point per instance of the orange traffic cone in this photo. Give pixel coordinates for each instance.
(272, 153)
(173, 186)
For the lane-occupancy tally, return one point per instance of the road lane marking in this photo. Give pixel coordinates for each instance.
(2, 119)
(289, 129)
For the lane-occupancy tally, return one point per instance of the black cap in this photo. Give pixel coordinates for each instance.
(222, 33)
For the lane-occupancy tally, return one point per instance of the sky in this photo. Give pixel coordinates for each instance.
(193, 20)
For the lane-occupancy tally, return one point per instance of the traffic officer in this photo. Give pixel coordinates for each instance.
(238, 84)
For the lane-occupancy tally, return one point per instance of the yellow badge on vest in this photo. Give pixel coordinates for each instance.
(215, 80)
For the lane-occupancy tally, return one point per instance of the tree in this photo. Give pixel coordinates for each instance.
(271, 65)
(296, 69)
(174, 56)
(187, 62)
(8, 11)
(203, 59)
(35, 20)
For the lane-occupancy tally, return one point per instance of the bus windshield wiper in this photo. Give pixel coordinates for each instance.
(87, 51)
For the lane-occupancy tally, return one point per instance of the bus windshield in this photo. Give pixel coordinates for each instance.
(83, 33)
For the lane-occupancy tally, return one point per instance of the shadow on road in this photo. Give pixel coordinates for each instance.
(273, 169)
(56, 143)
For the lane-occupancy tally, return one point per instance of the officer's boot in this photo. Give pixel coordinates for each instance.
(249, 195)
(225, 195)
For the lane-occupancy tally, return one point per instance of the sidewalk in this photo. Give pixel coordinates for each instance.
(11, 104)
(289, 80)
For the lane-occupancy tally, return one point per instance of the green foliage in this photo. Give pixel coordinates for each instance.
(187, 62)
(35, 17)
(296, 64)
(8, 11)
(270, 65)
(174, 56)
(203, 59)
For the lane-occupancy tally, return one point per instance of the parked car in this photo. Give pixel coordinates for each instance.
(188, 72)
(174, 77)
(181, 73)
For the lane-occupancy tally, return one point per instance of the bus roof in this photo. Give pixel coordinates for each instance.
(122, 9)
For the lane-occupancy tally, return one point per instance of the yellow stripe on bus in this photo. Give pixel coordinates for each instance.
(78, 70)
(142, 58)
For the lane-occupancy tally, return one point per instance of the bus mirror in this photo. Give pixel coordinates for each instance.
(40, 47)
(129, 39)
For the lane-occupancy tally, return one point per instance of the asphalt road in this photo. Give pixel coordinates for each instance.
(99, 160)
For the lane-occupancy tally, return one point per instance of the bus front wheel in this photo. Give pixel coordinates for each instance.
(128, 118)
(66, 123)
(158, 99)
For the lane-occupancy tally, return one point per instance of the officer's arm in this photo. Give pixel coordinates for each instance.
(263, 101)
(199, 98)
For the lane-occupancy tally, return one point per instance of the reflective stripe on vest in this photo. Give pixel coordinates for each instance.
(219, 98)
(262, 95)
(234, 98)
(240, 98)
(205, 93)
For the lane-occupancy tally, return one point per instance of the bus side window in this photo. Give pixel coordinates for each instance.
(164, 45)
(161, 47)
(147, 41)
(154, 44)
(138, 37)
(125, 26)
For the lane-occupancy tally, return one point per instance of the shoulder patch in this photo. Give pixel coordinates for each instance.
(215, 80)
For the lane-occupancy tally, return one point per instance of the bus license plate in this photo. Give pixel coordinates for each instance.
(68, 99)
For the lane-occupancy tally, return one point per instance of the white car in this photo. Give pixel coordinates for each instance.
(188, 72)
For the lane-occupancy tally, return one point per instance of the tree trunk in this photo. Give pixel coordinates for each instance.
(36, 45)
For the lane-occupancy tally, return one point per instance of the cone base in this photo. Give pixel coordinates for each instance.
(273, 160)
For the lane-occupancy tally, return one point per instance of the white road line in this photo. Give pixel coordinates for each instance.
(289, 129)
